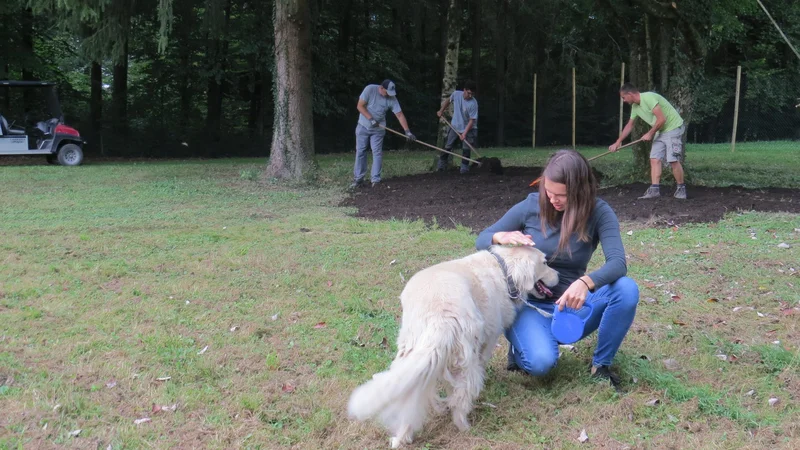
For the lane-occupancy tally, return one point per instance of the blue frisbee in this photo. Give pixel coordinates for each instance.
(567, 325)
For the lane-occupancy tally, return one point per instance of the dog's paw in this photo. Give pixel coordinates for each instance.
(461, 422)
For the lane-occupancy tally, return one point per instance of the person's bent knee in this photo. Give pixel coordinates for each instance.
(628, 291)
(537, 366)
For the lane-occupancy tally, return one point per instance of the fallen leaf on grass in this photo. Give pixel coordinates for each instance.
(630, 233)
(653, 402)
(141, 421)
(750, 392)
(671, 364)
(385, 342)
(569, 348)
(163, 378)
(111, 384)
(57, 407)
(203, 350)
(733, 358)
(722, 357)
(489, 405)
(761, 314)
(234, 329)
(583, 437)
(645, 357)
(677, 322)
(158, 408)
(788, 311)
(330, 283)
(75, 433)
(675, 297)
(391, 263)
(712, 300)
(287, 388)
(773, 401)
(784, 245)
(274, 318)
(320, 325)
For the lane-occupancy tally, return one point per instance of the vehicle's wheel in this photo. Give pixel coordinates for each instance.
(70, 155)
(51, 159)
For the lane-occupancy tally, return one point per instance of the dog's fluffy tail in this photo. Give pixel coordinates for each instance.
(397, 391)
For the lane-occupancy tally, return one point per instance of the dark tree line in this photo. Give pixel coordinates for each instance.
(196, 77)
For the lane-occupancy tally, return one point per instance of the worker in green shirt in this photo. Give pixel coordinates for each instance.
(666, 132)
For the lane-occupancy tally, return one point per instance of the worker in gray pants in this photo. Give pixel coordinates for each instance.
(373, 104)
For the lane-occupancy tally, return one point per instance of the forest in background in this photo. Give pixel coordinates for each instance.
(195, 78)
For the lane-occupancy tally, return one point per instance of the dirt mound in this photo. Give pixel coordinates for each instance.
(477, 199)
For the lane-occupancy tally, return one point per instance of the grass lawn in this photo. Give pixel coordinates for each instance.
(233, 312)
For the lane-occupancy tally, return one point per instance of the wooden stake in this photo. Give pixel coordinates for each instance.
(736, 107)
(533, 139)
(621, 82)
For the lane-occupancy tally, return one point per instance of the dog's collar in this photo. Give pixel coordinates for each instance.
(513, 292)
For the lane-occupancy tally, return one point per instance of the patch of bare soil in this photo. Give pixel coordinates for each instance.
(479, 198)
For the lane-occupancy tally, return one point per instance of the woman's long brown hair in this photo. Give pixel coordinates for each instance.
(570, 168)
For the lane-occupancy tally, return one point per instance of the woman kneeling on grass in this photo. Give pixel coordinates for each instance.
(566, 221)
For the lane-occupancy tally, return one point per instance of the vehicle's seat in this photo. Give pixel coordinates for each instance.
(7, 130)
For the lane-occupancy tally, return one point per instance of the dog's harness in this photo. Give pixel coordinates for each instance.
(513, 292)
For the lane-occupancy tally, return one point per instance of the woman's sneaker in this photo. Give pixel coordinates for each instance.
(511, 365)
(603, 373)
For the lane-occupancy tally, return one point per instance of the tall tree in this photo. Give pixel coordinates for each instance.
(450, 77)
(292, 152)
(500, 67)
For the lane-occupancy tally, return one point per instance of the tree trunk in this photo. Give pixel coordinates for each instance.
(500, 63)
(450, 77)
(96, 100)
(119, 93)
(28, 59)
(476, 40)
(665, 41)
(648, 55)
(185, 26)
(216, 60)
(638, 76)
(292, 152)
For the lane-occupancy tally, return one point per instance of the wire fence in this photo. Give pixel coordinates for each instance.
(739, 107)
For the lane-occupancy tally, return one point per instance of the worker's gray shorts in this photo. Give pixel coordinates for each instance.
(668, 145)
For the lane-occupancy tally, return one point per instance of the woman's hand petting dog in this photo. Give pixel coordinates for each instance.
(574, 296)
(512, 238)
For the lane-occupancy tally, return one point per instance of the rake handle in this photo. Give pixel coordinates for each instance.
(428, 145)
(536, 181)
(456, 131)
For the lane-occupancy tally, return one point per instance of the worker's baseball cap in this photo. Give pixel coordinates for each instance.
(389, 86)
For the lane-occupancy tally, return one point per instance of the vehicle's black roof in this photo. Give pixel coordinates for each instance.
(11, 83)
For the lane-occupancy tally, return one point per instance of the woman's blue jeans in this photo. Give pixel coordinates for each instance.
(535, 349)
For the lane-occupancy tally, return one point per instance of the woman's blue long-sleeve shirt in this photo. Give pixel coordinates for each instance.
(603, 228)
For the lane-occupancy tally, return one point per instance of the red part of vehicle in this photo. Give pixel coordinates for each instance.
(63, 129)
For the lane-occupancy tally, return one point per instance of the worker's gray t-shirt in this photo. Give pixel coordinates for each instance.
(602, 228)
(463, 110)
(377, 105)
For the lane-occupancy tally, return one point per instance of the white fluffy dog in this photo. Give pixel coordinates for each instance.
(453, 314)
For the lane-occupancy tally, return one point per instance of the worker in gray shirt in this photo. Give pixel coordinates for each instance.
(374, 102)
(465, 120)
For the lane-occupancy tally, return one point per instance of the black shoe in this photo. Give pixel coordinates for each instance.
(355, 185)
(511, 365)
(602, 373)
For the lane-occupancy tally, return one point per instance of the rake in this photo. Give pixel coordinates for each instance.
(536, 181)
